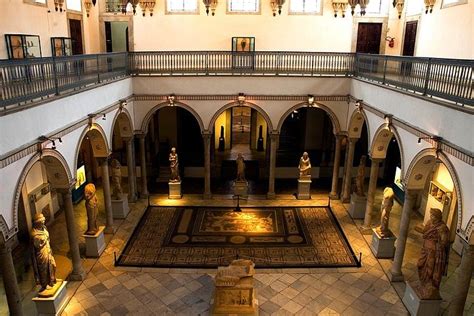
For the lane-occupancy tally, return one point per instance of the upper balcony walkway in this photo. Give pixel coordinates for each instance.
(30, 80)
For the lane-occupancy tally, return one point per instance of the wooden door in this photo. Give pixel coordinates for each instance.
(410, 37)
(368, 38)
(75, 29)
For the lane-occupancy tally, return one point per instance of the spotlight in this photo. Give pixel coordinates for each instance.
(419, 140)
(103, 117)
(54, 146)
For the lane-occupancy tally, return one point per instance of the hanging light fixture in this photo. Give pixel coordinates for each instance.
(212, 4)
(339, 7)
(276, 5)
(58, 5)
(429, 4)
(147, 5)
(399, 5)
(88, 5)
(362, 3)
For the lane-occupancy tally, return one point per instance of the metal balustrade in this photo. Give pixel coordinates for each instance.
(28, 80)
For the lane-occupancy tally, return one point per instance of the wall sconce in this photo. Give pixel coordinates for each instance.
(171, 99)
(43, 138)
(429, 4)
(399, 5)
(58, 5)
(241, 99)
(147, 5)
(362, 3)
(310, 100)
(339, 7)
(210, 4)
(276, 5)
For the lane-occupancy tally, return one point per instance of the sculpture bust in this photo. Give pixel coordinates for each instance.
(386, 208)
(91, 208)
(44, 264)
(116, 179)
(433, 262)
(174, 166)
(305, 166)
(360, 176)
(240, 168)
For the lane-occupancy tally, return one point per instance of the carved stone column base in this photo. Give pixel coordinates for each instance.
(271, 195)
(334, 196)
(207, 196)
(396, 277)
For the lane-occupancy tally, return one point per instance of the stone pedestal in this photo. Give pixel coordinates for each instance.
(175, 190)
(241, 188)
(120, 207)
(417, 306)
(230, 310)
(382, 247)
(46, 306)
(95, 244)
(304, 189)
(357, 206)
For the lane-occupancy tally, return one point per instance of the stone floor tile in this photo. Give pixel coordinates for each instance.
(292, 307)
(280, 299)
(278, 286)
(290, 292)
(169, 298)
(267, 292)
(302, 299)
(328, 312)
(130, 284)
(269, 307)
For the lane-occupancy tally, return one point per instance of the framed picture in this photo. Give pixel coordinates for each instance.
(23, 46)
(243, 44)
(61, 46)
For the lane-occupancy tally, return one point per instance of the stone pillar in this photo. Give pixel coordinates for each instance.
(132, 182)
(346, 191)
(374, 172)
(78, 273)
(395, 273)
(207, 164)
(144, 192)
(335, 170)
(463, 281)
(271, 175)
(109, 214)
(9, 279)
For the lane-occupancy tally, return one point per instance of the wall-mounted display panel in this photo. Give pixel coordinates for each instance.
(21, 46)
(61, 46)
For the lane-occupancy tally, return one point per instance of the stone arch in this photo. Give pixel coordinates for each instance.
(246, 103)
(124, 120)
(417, 174)
(336, 126)
(150, 113)
(381, 140)
(59, 176)
(98, 139)
(356, 122)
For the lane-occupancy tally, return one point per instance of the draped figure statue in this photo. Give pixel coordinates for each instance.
(240, 168)
(91, 208)
(174, 166)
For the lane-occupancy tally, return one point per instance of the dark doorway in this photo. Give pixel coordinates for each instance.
(368, 38)
(410, 37)
(75, 29)
(108, 37)
(116, 36)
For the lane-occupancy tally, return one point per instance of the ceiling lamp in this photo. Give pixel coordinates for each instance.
(339, 7)
(429, 4)
(399, 5)
(210, 4)
(147, 5)
(276, 4)
(88, 5)
(58, 5)
(362, 3)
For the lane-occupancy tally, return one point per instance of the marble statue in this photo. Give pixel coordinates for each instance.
(359, 187)
(91, 208)
(43, 261)
(433, 262)
(116, 182)
(386, 208)
(174, 166)
(305, 166)
(240, 168)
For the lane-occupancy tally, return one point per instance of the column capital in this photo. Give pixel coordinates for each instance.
(353, 139)
(206, 134)
(141, 135)
(376, 160)
(339, 136)
(274, 135)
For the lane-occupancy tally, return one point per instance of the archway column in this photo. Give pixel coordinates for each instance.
(369, 207)
(346, 191)
(78, 273)
(271, 177)
(109, 215)
(10, 283)
(206, 136)
(144, 191)
(395, 273)
(132, 181)
(463, 280)
(335, 171)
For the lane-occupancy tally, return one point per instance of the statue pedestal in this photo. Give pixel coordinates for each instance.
(175, 190)
(241, 188)
(120, 207)
(242, 302)
(417, 306)
(54, 305)
(95, 244)
(357, 206)
(304, 188)
(382, 247)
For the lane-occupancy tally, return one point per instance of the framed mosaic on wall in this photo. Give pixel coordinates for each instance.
(243, 44)
(21, 46)
(61, 46)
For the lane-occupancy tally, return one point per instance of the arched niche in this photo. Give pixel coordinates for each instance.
(357, 120)
(98, 141)
(122, 124)
(236, 103)
(381, 141)
(149, 115)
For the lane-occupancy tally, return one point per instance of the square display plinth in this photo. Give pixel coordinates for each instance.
(383, 247)
(234, 301)
(120, 207)
(241, 188)
(95, 244)
(304, 189)
(175, 190)
(417, 306)
(47, 306)
(357, 206)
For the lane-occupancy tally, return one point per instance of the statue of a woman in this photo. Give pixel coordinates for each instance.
(386, 208)
(433, 260)
(305, 166)
(43, 260)
(91, 208)
(361, 177)
(240, 168)
(116, 182)
(174, 166)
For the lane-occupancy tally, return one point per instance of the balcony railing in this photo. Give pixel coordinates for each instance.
(32, 79)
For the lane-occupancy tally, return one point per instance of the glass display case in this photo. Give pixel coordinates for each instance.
(61, 46)
(21, 46)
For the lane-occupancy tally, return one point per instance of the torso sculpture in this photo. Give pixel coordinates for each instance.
(43, 260)
(386, 208)
(174, 166)
(433, 261)
(116, 182)
(305, 166)
(360, 177)
(240, 168)
(91, 208)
